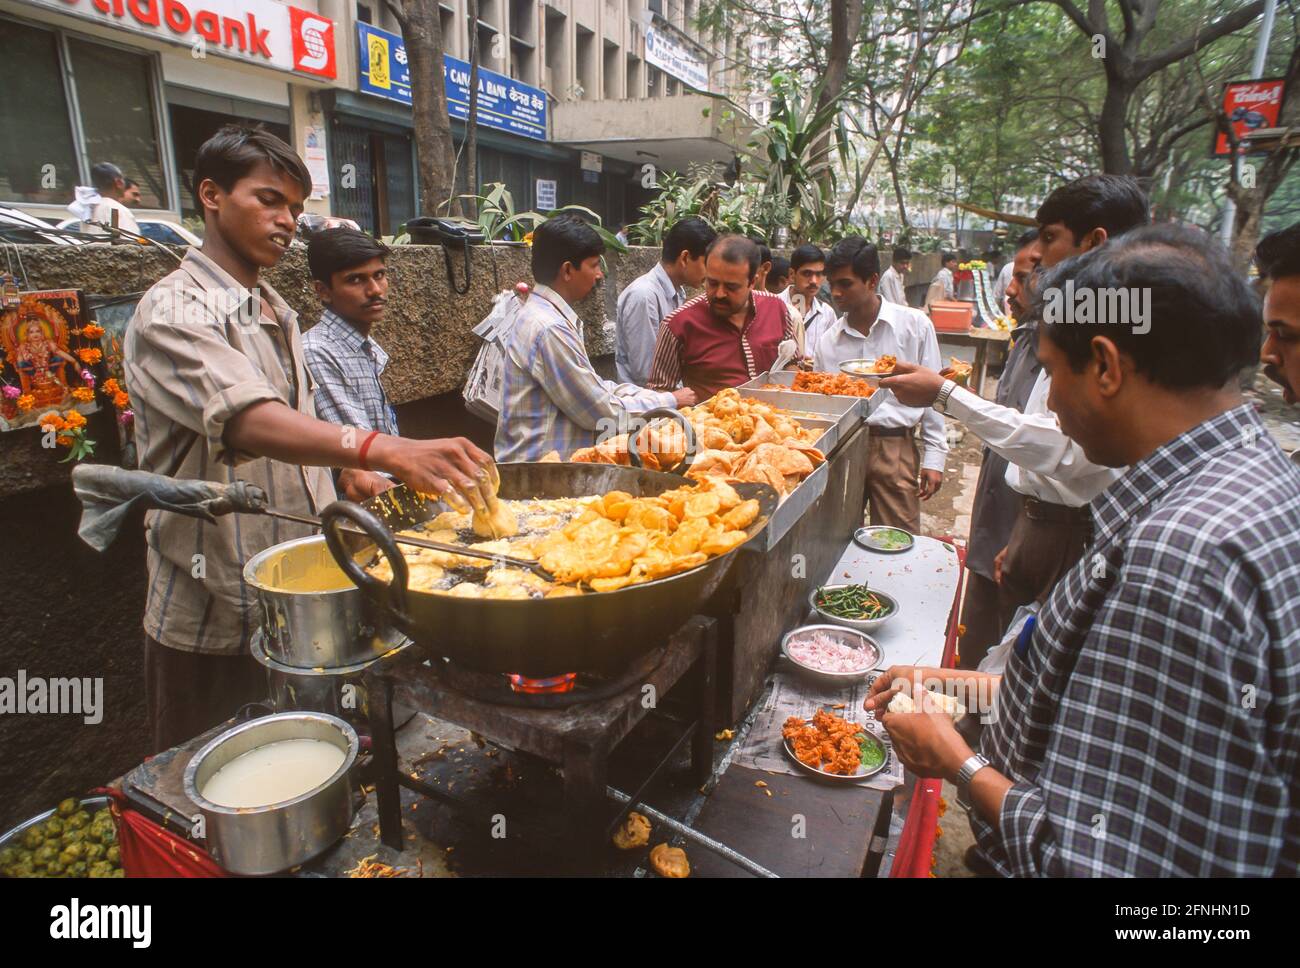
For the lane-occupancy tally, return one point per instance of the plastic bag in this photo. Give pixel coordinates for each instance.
(483, 386)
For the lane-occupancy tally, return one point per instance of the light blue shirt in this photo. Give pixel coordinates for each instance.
(642, 306)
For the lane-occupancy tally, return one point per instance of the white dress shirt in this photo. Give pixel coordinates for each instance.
(642, 306)
(1043, 463)
(909, 335)
(815, 320)
(1000, 287)
(891, 286)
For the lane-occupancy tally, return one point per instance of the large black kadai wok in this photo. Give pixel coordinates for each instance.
(595, 632)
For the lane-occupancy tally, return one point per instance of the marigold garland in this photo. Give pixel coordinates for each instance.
(25, 402)
(90, 355)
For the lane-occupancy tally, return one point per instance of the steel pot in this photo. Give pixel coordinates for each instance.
(337, 625)
(338, 692)
(266, 840)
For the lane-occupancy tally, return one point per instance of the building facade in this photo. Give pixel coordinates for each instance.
(142, 83)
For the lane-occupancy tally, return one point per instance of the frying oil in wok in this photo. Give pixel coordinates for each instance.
(431, 571)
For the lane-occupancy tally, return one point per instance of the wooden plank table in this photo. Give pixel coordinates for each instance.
(984, 340)
(845, 829)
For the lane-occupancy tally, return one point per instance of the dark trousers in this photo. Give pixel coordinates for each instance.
(1045, 543)
(984, 619)
(189, 692)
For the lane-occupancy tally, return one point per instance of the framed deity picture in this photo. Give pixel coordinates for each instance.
(47, 348)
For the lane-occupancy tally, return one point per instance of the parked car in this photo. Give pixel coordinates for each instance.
(16, 226)
(160, 230)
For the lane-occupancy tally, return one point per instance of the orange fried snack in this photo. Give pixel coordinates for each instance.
(830, 744)
(885, 363)
(837, 384)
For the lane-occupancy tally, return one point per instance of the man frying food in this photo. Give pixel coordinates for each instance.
(215, 369)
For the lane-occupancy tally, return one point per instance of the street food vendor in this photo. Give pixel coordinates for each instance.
(552, 398)
(1146, 725)
(727, 336)
(220, 390)
(871, 326)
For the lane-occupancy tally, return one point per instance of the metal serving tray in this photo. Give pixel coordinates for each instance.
(845, 412)
(828, 432)
(789, 511)
(828, 402)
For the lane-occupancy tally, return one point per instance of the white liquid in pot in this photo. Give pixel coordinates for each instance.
(278, 771)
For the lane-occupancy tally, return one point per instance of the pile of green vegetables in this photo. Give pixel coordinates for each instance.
(71, 843)
(852, 601)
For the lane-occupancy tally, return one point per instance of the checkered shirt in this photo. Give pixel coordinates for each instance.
(346, 367)
(1152, 726)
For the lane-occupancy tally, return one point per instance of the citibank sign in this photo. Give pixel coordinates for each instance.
(258, 31)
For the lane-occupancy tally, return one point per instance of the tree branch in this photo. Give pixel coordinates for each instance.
(1146, 66)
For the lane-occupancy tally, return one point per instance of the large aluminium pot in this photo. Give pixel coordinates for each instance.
(594, 632)
(266, 840)
(313, 616)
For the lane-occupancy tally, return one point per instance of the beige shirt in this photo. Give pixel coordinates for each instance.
(198, 351)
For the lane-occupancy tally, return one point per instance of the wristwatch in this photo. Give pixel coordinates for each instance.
(945, 391)
(965, 774)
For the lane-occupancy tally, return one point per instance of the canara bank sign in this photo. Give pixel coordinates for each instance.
(258, 31)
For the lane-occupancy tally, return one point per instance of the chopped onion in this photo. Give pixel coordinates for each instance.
(825, 653)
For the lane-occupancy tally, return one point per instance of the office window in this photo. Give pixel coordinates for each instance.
(588, 71)
(115, 90)
(612, 73)
(38, 162)
(117, 117)
(485, 45)
(523, 20)
(447, 18)
(633, 87)
(364, 15)
(557, 55)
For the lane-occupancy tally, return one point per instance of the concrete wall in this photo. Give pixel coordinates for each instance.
(427, 331)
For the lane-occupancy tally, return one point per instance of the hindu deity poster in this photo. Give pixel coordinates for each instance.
(48, 351)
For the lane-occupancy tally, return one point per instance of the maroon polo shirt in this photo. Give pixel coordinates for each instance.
(708, 354)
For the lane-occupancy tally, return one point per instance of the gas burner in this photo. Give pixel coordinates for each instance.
(494, 687)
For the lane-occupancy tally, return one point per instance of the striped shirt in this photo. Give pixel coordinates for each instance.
(346, 367)
(198, 351)
(707, 354)
(1152, 726)
(552, 398)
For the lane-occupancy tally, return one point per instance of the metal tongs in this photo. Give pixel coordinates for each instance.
(107, 494)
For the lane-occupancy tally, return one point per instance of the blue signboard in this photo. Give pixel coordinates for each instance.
(503, 103)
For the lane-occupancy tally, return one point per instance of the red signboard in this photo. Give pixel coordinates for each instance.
(1250, 105)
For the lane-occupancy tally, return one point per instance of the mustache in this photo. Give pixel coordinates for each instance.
(1275, 374)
